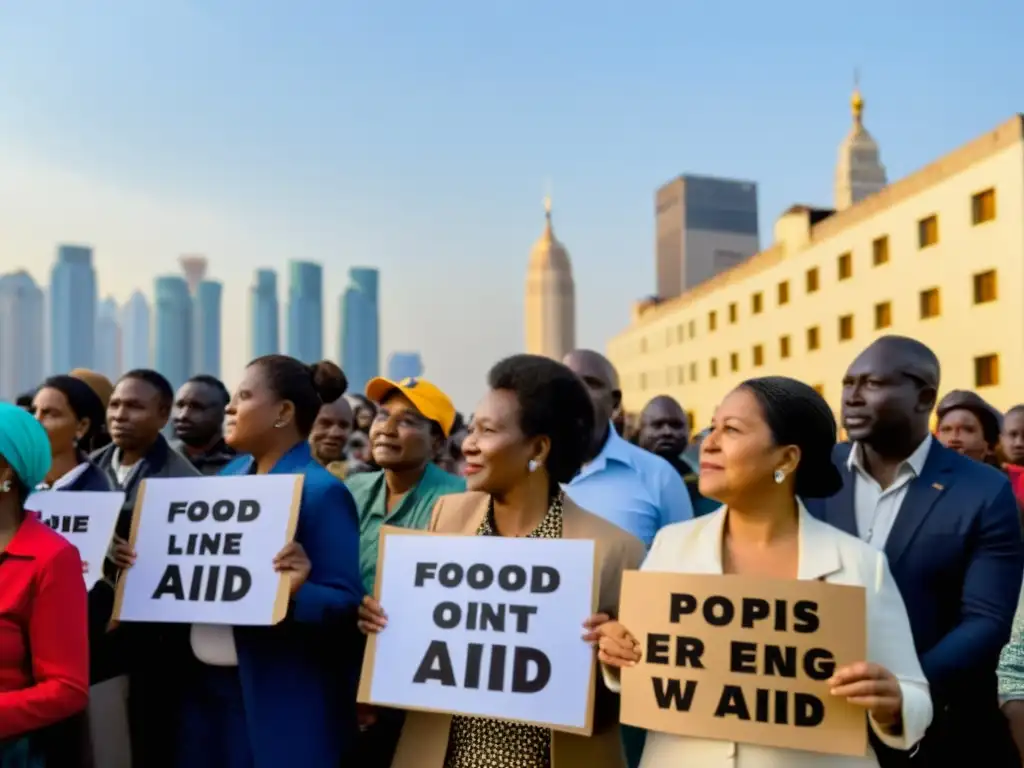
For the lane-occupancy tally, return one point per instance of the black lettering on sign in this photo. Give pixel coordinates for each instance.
(778, 707)
(543, 579)
(525, 660)
(806, 614)
(245, 511)
(672, 694)
(436, 665)
(531, 668)
(69, 523)
(743, 657)
(447, 615)
(819, 664)
(754, 610)
(719, 611)
(681, 605)
(205, 584)
(205, 544)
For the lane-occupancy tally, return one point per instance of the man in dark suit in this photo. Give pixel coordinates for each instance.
(950, 528)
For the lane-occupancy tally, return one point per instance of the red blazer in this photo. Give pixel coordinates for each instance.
(44, 642)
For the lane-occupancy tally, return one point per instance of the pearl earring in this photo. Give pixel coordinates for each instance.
(532, 466)
(278, 424)
(779, 476)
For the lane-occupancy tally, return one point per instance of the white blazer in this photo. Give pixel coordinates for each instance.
(825, 553)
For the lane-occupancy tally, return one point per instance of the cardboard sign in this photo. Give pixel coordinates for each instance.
(206, 547)
(85, 518)
(485, 626)
(744, 659)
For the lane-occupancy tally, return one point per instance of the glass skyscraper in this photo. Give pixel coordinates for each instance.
(264, 329)
(306, 311)
(173, 329)
(108, 340)
(136, 346)
(21, 335)
(206, 325)
(360, 328)
(404, 365)
(72, 310)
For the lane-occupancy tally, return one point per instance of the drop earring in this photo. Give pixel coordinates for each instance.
(779, 476)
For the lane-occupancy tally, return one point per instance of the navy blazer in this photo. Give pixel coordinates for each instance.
(299, 712)
(956, 553)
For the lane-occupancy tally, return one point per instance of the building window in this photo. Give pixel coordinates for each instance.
(758, 355)
(883, 315)
(812, 280)
(691, 420)
(928, 231)
(783, 292)
(756, 303)
(783, 347)
(846, 327)
(983, 206)
(643, 345)
(930, 305)
(813, 339)
(733, 312)
(693, 329)
(986, 371)
(679, 372)
(679, 334)
(712, 320)
(985, 287)
(643, 381)
(734, 361)
(880, 250)
(714, 367)
(693, 372)
(844, 266)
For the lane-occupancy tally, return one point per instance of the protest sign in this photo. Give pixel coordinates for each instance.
(85, 518)
(744, 659)
(206, 547)
(486, 626)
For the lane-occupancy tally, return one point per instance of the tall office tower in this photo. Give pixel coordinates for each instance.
(264, 322)
(108, 339)
(206, 322)
(549, 306)
(404, 365)
(22, 311)
(194, 269)
(72, 309)
(136, 344)
(360, 328)
(306, 311)
(173, 335)
(704, 226)
(859, 172)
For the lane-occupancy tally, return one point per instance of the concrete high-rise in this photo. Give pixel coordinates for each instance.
(72, 310)
(360, 328)
(549, 307)
(206, 323)
(306, 311)
(265, 313)
(404, 365)
(108, 340)
(704, 226)
(136, 344)
(22, 324)
(173, 337)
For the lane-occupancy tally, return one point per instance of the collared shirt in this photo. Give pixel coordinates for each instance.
(121, 472)
(636, 490)
(209, 462)
(66, 479)
(876, 507)
(370, 491)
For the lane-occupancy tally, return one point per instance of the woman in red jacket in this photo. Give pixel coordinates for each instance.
(44, 646)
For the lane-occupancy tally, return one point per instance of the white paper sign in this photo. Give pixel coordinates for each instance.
(205, 548)
(85, 518)
(485, 625)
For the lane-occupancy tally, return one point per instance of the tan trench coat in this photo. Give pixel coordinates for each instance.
(424, 740)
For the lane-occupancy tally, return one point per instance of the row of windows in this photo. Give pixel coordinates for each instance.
(986, 368)
(983, 209)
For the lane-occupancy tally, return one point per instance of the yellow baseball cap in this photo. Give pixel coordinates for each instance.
(428, 399)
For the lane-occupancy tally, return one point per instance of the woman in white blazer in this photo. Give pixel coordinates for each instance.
(771, 443)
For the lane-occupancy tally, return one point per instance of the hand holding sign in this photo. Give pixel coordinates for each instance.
(294, 561)
(873, 687)
(593, 626)
(616, 647)
(121, 553)
(372, 618)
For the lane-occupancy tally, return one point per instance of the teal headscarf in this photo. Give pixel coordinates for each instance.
(24, 444)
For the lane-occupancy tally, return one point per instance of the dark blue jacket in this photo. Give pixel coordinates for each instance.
(299, 677)
(957, 555)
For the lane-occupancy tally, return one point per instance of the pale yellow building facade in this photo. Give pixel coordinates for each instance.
(938, 255)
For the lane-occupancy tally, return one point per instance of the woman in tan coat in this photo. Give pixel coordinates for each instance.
(529, 435)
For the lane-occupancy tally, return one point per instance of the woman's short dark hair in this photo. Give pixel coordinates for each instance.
(552, 402)
(307, 386)
(84, 404)
(797, 415)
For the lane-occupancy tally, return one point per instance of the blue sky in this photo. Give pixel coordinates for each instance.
(420, 137)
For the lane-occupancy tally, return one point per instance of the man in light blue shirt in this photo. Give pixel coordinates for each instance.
(624, 484)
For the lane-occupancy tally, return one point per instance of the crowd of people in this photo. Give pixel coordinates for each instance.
(925, 518)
